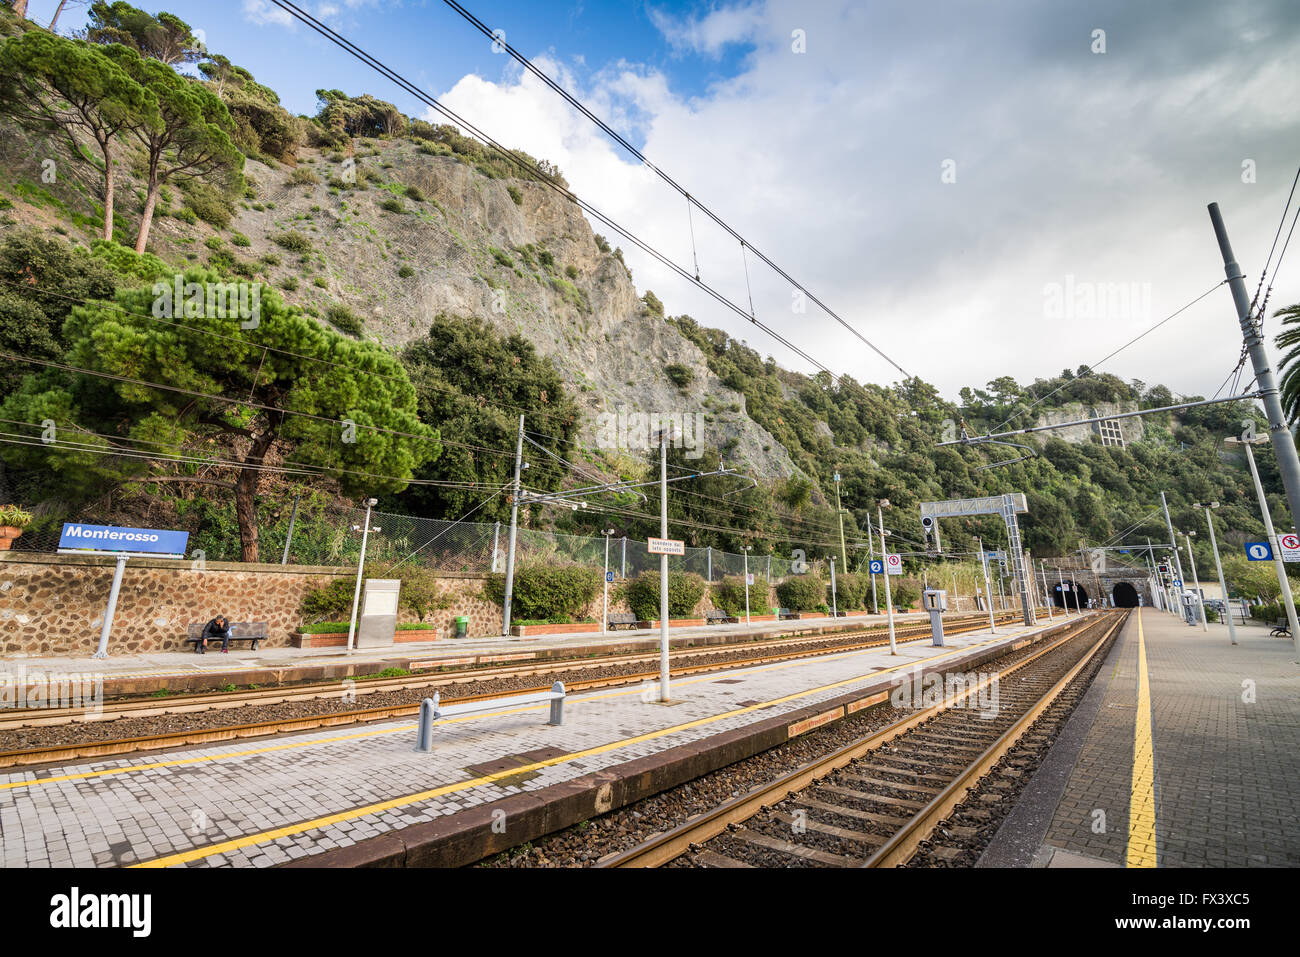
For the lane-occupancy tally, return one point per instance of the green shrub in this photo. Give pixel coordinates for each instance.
(294, 242)
(414, 193)
(501, 257)
(652, 304)
(14, 516)
(405, 272)
(302, 176)
(272, 259)
(905, 595)
(208, 203)
(393, 205)
(344, 319)
(214, 242)
(289, 283)
(543, 592)
(571, 272)
(239, 239)
(850, 591)
(685, 589)
(802, 592)
(517, 196)
(729, 595)
(329, 602)
(680, 375)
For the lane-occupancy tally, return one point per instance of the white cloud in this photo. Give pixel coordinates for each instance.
(262, 12)
(1096, 168)
(710, 33)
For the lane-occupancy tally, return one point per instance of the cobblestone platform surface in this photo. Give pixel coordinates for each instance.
(259, 803)
(1212, 783)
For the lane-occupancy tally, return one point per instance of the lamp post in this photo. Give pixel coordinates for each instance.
(884, 559)
(1047, 592)
(1196, 581)
(1223, 585)
(1278, 565)
(871, 557)
(844, 555)
(745, 550)
(361, 564)
(835, 611)
(988, 589)
(605, 620)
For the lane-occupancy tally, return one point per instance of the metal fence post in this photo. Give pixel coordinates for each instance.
(557, 704)
(496, 545)
(624, 557)
(424, 736)
(708, 563)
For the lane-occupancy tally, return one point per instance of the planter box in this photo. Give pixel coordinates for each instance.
(680, 623)
(754, 618)
(339, 639)
(854, 614)
(524, 631)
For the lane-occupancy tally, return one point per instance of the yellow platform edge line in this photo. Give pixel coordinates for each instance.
(288, 830)
(1142, 797)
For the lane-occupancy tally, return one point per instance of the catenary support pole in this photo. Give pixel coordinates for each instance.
(1288, 463)
(1279, 567)
(1223, 585)
(1200, 599)
(663, 566)
(1047, 592)
(361, 565)
(884, 560)
(988, 589)
(871, 557)
(514, 531)
(1178, 563)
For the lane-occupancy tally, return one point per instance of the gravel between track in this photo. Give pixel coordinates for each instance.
(448, 685)
(585, 843)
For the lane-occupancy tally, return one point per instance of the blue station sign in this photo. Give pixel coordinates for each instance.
(1259, 551)
(113, 538)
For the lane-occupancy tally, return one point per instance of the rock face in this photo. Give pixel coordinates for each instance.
(1116, 432)
(514, 252)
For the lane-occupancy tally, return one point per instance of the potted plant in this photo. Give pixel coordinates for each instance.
(12, 522)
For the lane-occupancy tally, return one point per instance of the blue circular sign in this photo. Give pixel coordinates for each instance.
(877, 567)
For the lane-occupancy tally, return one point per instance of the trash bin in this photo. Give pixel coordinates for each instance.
(462, 626)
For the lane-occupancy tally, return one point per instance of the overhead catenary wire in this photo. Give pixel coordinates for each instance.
(533, 172)
(527, 64)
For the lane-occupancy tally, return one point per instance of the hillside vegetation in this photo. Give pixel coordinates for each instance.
(417, 293)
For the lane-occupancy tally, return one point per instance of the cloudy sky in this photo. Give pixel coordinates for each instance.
(980, 189)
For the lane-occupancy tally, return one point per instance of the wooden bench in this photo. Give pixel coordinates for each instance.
(630, 621)
(785, 614)
(1281, 629)
(719, 615)
(432, 710)
(250, 631)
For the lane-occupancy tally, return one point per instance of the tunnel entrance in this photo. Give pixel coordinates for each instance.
(1125, 595)
(1059, 598)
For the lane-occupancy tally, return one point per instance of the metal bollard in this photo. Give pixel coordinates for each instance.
(428, 712)
(557, 704)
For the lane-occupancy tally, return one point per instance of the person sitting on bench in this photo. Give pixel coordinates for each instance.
(218, 627)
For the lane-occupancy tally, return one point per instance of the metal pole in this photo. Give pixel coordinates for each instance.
(293, 517)
(745, 552)
(889, 599)
(1047, 592)
(605, 619)
(1169, 526)
(1074, 587)
(1002, 595)
(624, 575)
(496, 546)
(1065, 602)
(988, 589)
(708, 558)
(1223, 586)
(663, 566)
(1283, 443)
(361, 564)
(111, 608)
(1273, 543)
(956, 602)
(514, 531)
(871, 557)
(844, 555)
(1200, 599)
(835, 611)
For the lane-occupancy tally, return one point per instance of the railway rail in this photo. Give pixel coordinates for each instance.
(874, 802)
(179, 707)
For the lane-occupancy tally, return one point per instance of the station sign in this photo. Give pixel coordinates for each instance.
(666, 546)
(877, 567)
(609, 576)
(894, 564)
(749, 579)
(1290, 544)
(78, 537)
(1258, 551)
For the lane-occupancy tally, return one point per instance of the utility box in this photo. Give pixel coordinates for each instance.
(377, 625)
(935, 601)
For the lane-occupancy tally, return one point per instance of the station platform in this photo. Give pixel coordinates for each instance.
(1185, 752)
(187, 671)
(362, 795)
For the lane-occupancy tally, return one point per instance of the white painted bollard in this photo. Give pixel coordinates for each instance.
(428, 712)
(557, 704)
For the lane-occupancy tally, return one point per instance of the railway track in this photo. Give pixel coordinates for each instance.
(177, 708)
(874, 802)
